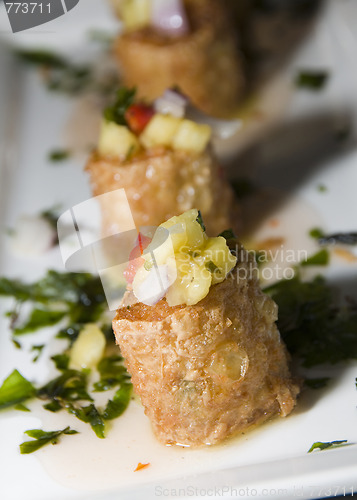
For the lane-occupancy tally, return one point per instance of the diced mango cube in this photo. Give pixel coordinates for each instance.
(160, 131)
(117, 140)
(135, 13)
(191, 136)
(88, 348)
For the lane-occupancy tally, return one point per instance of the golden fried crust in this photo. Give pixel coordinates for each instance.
(161, 183)
(205, 64)
(208, 371)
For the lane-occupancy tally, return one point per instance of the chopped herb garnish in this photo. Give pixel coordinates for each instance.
(310, 79)
(39, 318)
(200, 221)
(316, 233)
(316, 383)
(322, 188)
(228, 234)
(90, 415)
(324, 446)
(59, 155)
(70, 386)
(41, 57)
(15, 389)
(124, 99)
(61, 361)
(38, 349)
(112, 373)
(312, 326)
(211, 266)
(80, 295)
(41, 438)
(118, 405)
(21, 407)
(320, 258)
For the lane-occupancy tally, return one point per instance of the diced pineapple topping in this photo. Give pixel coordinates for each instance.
(191, 136)
(160, 131)
(88, 348)
(135, 13)
(194, 260)
(117, 140)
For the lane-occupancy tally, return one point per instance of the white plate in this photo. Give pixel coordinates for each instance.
(270, 462)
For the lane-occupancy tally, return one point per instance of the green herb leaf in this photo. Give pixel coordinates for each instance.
(59, 155)
(40, 318)
(41, 57)
(61, 361)
(200, 221)
(90, 415)
(38, 349)
(120, 402)
(320, 258)
(68, 387)
(124, 99)
(21, 407)
(228, 234)
(42, 438)
(15, 389)
(313, 80)
(312, 326)
(316, 233)
(211, 266)
(112, 373)
(324, 446)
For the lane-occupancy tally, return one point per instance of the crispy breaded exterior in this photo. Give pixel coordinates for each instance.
(161, 183)
(205, 64)
(208, 371)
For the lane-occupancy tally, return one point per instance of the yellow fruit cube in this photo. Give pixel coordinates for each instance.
(192, 137)
(135, 13)
(117, 140)
(160, 131)
(88, 348)
(218, 258)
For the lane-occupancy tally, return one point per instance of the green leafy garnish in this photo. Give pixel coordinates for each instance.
(70, 386)
(320, 258)
(41, 438)
(211, 266)
(200, 221)
(41, 57)
(59, 155)
(313, 80)
(119, 403)
(38, 350)
(15, 389)
(124, 99)
(90, 415)
(21, 407)
(228, 234)
(316, 233)
(312, 326)
(324, 446)
(40, 318)
(322, 188)
(79, 297)
(112, 373)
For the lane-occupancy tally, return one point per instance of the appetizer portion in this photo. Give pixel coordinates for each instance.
(188, 43)
(163, 161)
(205, 355)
